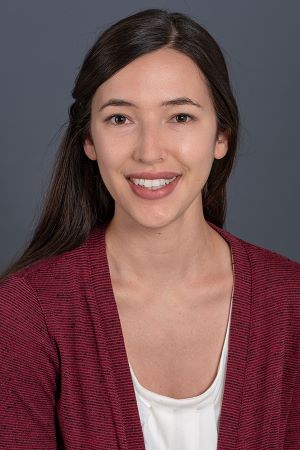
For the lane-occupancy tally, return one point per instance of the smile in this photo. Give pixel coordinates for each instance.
(152, 184)
(153, 189)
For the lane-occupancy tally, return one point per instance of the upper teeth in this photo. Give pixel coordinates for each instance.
(152, 183)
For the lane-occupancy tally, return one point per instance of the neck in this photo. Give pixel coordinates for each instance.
(181, 251)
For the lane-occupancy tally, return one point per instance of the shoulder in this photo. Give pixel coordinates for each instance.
(274, 278)
(273, 282)
(54, 269)
(270, 264)
(53, 273)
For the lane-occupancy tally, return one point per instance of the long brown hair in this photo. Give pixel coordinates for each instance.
(77, 199)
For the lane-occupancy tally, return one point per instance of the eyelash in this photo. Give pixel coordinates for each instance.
(122, 115)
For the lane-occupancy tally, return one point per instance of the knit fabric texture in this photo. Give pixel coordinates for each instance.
(65, 381)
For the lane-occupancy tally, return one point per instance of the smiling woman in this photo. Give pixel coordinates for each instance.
(133, 320)
(151, 136)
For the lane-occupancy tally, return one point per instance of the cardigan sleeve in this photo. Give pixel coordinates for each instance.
(292, 434)
(28, 370)
(292, 437)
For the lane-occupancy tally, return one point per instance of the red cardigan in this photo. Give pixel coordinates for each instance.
(65, 381)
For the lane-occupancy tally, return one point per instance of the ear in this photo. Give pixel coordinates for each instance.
(89, 149)
(221, 146)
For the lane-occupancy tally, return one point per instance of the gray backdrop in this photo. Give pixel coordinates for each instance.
(42, 46)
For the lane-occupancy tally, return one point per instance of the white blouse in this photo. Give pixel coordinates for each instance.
(182, 424)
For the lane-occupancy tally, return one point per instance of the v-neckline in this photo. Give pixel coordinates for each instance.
(117, 373)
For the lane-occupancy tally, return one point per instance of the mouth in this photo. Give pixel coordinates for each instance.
(152, 184)
(153, 189)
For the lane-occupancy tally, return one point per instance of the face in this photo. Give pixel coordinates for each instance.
(150, 131)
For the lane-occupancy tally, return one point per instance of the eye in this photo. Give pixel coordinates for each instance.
(116, 123)
(182, 117)
(120, 118)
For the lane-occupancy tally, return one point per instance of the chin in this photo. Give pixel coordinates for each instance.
(151, 224)
(158, 221)
(148, 220)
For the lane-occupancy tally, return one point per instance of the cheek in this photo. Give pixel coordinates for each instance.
(108, 146)
(106, 172)
(198, 147)
(110, 162)
(105, 151)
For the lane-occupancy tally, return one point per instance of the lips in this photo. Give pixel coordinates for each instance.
(154, 194)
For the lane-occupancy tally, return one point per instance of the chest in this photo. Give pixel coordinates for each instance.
(174, 337)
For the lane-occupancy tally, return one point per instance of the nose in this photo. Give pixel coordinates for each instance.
(150, 145)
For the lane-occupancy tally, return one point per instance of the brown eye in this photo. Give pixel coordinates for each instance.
(182, 117)
(117, 121)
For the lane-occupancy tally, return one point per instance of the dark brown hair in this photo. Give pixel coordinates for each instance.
(77, 199)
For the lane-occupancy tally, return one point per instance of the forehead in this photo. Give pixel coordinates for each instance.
(153, 77)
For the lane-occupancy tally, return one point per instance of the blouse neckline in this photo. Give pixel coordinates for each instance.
(211, 394)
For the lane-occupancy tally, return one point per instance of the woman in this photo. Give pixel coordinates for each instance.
(115, 321)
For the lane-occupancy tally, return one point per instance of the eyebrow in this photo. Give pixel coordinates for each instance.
(173, 101)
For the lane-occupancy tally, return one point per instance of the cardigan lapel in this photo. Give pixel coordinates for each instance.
(238, 344)
(113, 351)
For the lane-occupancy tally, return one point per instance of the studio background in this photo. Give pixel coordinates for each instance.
(42, 47)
